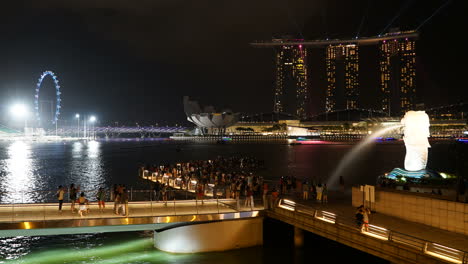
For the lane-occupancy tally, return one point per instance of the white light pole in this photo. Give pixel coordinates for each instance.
(77, 116)
(20, 111)
(92, 119)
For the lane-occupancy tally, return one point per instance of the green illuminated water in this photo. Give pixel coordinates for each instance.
(111, 248)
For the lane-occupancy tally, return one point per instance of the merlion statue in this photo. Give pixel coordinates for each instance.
(416, 133)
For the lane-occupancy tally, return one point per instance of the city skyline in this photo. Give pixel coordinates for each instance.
(108, 54)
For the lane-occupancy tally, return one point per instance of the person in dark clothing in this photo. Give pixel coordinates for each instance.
(72, 197)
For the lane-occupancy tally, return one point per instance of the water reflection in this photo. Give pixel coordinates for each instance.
(77, 150)
(87, 166)
(18, 174)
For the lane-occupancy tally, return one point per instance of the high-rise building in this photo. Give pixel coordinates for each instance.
(291, 80)
(397, 75)
(342, 67)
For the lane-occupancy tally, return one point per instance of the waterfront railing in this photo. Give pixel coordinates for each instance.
(308, 214)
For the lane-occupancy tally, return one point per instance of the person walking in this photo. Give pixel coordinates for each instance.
(101, 197)
(72, 196)
(60, 194)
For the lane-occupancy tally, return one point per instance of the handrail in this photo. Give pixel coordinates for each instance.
(425, 246)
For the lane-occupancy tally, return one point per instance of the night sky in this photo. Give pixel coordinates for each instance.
(133, 61)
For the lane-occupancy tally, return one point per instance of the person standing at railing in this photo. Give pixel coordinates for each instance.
(200, 192)
(265, 195)
(157, 190)
(124, 201)
(116, 202)
(365, 219)
(359, 216)
(100, 198)
(60, 195)
(274, 198)
(313, 191)
(164, 193)
(72, 196)
(305, 190)
(319, 190)
(324, 193)
(112, 192)
(248, 197)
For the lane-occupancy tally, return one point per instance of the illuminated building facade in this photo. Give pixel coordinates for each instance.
(342, 67)
(291, 80)
(398, 75)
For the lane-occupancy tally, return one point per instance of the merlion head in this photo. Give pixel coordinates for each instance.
(416, 124)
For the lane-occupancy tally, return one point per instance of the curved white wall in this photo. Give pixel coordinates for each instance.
(215, 236)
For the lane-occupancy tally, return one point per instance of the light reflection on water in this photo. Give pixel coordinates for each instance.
(31, 172)
(18, 175)
(87, 166)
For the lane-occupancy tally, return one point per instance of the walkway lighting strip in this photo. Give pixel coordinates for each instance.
(443, 252)
(287, 204)
(327, 217)
(377, 232)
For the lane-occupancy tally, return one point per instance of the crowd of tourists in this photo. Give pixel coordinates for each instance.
(224, 177)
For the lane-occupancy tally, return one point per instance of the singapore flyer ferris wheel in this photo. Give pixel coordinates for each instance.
(57, 97)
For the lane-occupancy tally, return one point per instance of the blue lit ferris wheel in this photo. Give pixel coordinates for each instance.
(57, 92)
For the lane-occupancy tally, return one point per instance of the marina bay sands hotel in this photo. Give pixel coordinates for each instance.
(397, 68)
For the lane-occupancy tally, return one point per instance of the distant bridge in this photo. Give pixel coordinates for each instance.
(109, 131)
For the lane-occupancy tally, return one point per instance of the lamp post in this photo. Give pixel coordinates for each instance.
(92, 119)
(20, 111)
(77, 116)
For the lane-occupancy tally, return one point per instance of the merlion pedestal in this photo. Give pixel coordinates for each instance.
(416, 133)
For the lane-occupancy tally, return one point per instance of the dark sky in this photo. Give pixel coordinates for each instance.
(133, 61)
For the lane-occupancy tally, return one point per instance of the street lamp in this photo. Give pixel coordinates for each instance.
(20, 111)
(77, 116)
(92, 119)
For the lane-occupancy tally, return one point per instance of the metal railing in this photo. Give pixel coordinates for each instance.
(425, 246)
(141, 203)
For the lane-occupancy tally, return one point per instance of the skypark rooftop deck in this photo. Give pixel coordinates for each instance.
(326, 42)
